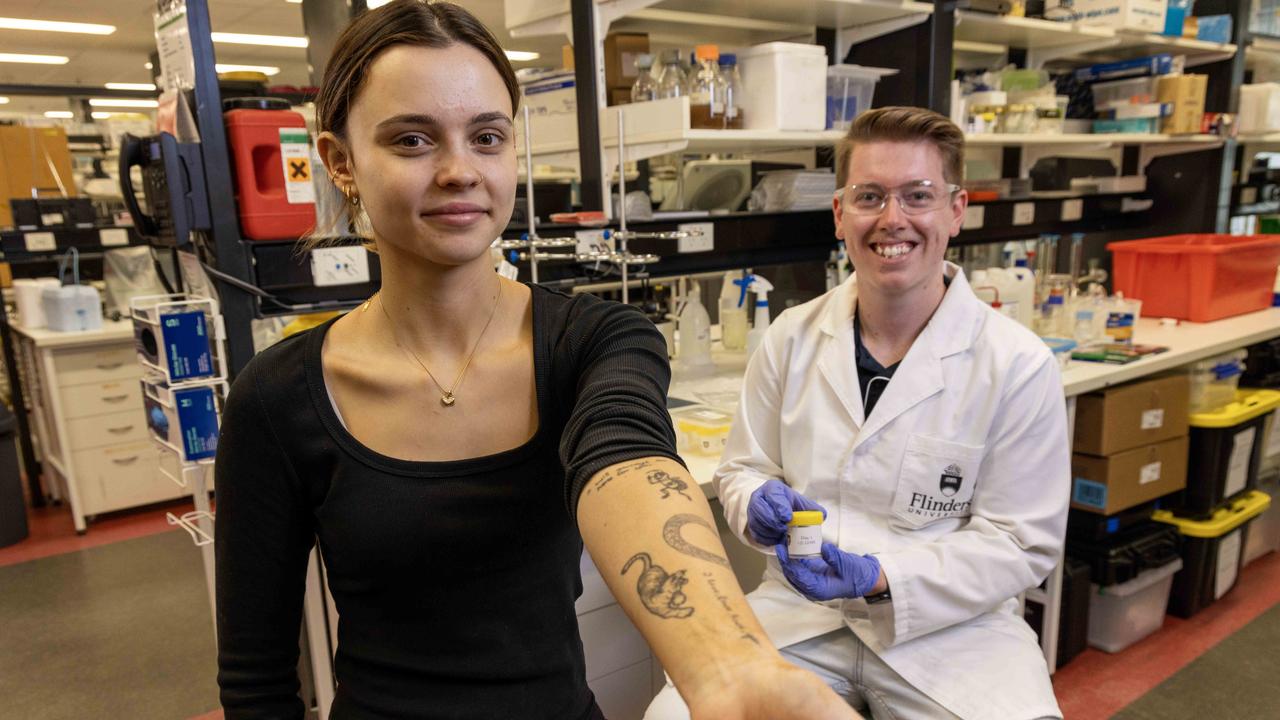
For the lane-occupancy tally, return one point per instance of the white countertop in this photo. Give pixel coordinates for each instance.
(1187, 343)
(112, 331)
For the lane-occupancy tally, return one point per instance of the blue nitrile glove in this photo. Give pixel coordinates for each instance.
(837, 574)
(769, 511)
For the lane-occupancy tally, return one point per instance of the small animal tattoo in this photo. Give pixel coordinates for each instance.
(668, 484)
(660, 592)
(671, 533)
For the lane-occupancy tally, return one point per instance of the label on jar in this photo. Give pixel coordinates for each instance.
(804, 541)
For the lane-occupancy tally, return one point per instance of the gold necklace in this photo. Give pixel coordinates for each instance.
(446, 396)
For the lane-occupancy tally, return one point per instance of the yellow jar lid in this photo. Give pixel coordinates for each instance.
(1248, 405)
(800, 518)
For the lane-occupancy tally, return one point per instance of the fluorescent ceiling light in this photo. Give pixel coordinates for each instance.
(59, 114)
(130, 86)
(265, 69)
(147, 65)
(295, 2)
(376, 3)
(103, 114)
(53, 26)
(520, 55)
(34, 59)
(123, 102)
(271, 40)
(4, 100)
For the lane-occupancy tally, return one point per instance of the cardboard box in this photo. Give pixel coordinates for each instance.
(26, 155)
(619, 96)
(1186, 93)
(1129, 416)
(1144, 15)
(620, 51)
(1107, 485)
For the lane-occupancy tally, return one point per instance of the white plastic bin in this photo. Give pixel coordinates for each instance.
(1121, 615)
(850, 90)
(784, 86)
(1259, 108)
(1263, 534)
(1214, 381)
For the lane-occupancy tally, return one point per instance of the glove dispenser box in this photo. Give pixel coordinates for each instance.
(173, 337)
(185, 420)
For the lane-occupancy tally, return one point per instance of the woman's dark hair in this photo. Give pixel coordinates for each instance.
(402, 22)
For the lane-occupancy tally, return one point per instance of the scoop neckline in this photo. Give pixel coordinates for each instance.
(400, 466)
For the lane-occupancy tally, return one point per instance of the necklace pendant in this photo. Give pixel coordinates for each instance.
(447, 399)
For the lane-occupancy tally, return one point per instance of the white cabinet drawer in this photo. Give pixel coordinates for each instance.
(96, 364)
(609, 641)
(122, 476)
(101, 398)
(625, 694)
(115, 429)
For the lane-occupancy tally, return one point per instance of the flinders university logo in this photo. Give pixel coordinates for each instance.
(951, 480)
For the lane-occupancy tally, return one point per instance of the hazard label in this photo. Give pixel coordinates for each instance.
(295, 154)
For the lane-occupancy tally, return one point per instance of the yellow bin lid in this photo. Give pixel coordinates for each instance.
(1249, 404)
(1224, 520)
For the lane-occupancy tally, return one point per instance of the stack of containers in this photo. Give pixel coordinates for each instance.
(1130, 451)
(1264, 372)
(1215, 513)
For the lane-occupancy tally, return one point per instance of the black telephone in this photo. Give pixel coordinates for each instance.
(172, 183)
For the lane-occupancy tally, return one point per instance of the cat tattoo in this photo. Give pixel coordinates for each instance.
(661, 593)
(668, 484)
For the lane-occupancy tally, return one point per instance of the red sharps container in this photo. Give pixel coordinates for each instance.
(271, 161)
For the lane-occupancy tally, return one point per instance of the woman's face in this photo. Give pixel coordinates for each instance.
(430, 149)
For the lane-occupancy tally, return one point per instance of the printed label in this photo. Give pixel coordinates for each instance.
(974, 216)
(1228, 564)
(40, 242)
(1272, 446)
(1152, 419)
(1024, 213)
(1150, 473)
(1072, 209)
(1088, 492)
(295, 155)
(113, 237)
(1238, 467)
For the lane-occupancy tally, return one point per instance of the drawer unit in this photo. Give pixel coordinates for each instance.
(122, 476)
(96, 364)
(115, 429)
(79, 401)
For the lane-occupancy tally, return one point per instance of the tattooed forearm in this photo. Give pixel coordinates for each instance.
(669, 484)
(671, 533)
(744, 633)
(660, 593)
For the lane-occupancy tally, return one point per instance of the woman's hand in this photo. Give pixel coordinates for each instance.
(771, 689)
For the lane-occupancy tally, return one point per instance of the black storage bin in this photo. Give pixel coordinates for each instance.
(1262, 366)
(1073, 618)
(1121, 557)
(1092, 527)
(1215, 474)
(13, 506)
(1209, 546)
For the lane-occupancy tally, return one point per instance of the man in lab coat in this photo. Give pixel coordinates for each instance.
(932, 432)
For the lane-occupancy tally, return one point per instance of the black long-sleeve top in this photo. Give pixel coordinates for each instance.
(454, 581)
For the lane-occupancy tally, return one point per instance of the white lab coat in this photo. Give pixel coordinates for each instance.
(977, 402)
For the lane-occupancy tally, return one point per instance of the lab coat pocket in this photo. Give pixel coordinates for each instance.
(936, 481)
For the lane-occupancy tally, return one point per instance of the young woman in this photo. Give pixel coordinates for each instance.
(453, 441)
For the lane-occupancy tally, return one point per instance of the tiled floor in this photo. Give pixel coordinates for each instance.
(1094, 686)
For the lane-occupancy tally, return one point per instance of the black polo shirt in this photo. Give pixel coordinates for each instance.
(873, 377)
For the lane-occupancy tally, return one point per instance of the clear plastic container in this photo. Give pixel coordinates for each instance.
(733, 113)
(701, 430)
(645, 87)
(706, 90)
(1129, 91)
(671, 81)
(1121, 615)
(1214, 381)
(850, 89)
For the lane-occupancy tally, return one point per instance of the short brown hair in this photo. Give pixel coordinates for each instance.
(402, 22)
(904, 124)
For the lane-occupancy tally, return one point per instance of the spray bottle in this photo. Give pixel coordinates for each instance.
(761, 288)
(733, 310)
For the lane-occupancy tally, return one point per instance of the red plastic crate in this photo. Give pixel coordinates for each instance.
(1197, 277)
